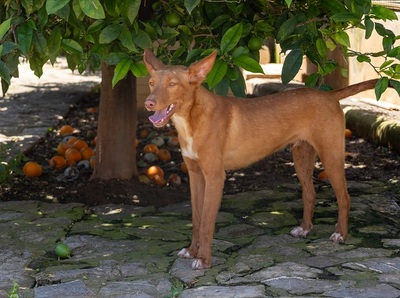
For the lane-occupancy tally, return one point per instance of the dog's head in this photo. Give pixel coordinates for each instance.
(172, 86)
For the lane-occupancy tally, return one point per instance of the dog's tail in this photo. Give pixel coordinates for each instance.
(353, 89)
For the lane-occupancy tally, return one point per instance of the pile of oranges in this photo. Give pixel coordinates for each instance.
(158, 158)
(69, 152)
(159, 151)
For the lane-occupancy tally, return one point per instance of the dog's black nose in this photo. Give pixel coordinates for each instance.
(150, 104)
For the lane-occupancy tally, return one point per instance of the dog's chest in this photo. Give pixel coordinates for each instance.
(185, 137)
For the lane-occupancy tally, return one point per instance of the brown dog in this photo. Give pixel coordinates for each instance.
(218, 133)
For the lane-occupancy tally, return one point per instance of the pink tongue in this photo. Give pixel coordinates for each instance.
(158, 116)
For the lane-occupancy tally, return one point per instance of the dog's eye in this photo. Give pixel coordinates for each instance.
(171, 84)
(151, 84)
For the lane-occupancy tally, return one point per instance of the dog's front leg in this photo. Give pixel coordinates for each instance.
(214, 183)
(197, 188)
(206, 185)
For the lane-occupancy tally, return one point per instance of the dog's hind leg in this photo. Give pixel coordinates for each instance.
(334, 167)
(304, 159)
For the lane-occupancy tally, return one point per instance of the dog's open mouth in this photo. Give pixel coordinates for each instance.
(161, 117)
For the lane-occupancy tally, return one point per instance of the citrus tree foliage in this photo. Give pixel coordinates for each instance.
(89, 32)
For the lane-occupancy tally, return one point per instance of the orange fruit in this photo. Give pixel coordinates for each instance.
(94, 141)
(87, 153)
(159, 180)
(163, 155)
(72, 140)
(58, 162)
(150, 148)
(173, 133)
(184, 168)
(72, 154)
(62, 147)
(91, 110)
(347, 133)
(153, 171)
(66, 130)
(173, 142)
(323, 176)
(79, 144)
(136, 143)
(92, 162)
(144, 132)
(32, 169)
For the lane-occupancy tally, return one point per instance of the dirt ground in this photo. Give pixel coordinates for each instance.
(364, 162)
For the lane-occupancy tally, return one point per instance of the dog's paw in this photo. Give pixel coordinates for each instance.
(299, 232)
(199, 264)
(184, 253)
(337, 238)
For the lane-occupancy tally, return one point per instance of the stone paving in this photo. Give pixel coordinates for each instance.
(128, 251)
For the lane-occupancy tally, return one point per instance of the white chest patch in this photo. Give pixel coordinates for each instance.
(184, 133)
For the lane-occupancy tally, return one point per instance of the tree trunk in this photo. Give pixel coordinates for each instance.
(116, 130)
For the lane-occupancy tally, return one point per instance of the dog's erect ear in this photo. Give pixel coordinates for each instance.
(198, 71)
(151, 61)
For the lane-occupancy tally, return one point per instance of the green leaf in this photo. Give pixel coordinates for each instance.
(5, 73)
(328, 67)
(121, 69)
(342, 38)
(383, 13)
(191, 4)
(54, 5)
(219, 21)
(28, 6)
(54, 43)
(222, 87)
(92, 8)
(312, 80)
(321, 47)
(248, 64)
(130, 9)
(382, 31)
(394, 53)
(381, 87)
(64, 12)
(25, 35)
(4, 27)
(142, 39)
(115, 57)
(369, 27)
(386, 64)
(292, 65)
(8, 47)
(110, 33)
(231, 38)
(217, 73)
(395, 85)
(71, 46)
(96, 26)
(345, 17)
(139, 70)
(288, 2)
(126, 39)
(40, 42)
(335, 6)
(286, 29)
(363, 58)
(238, 86)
